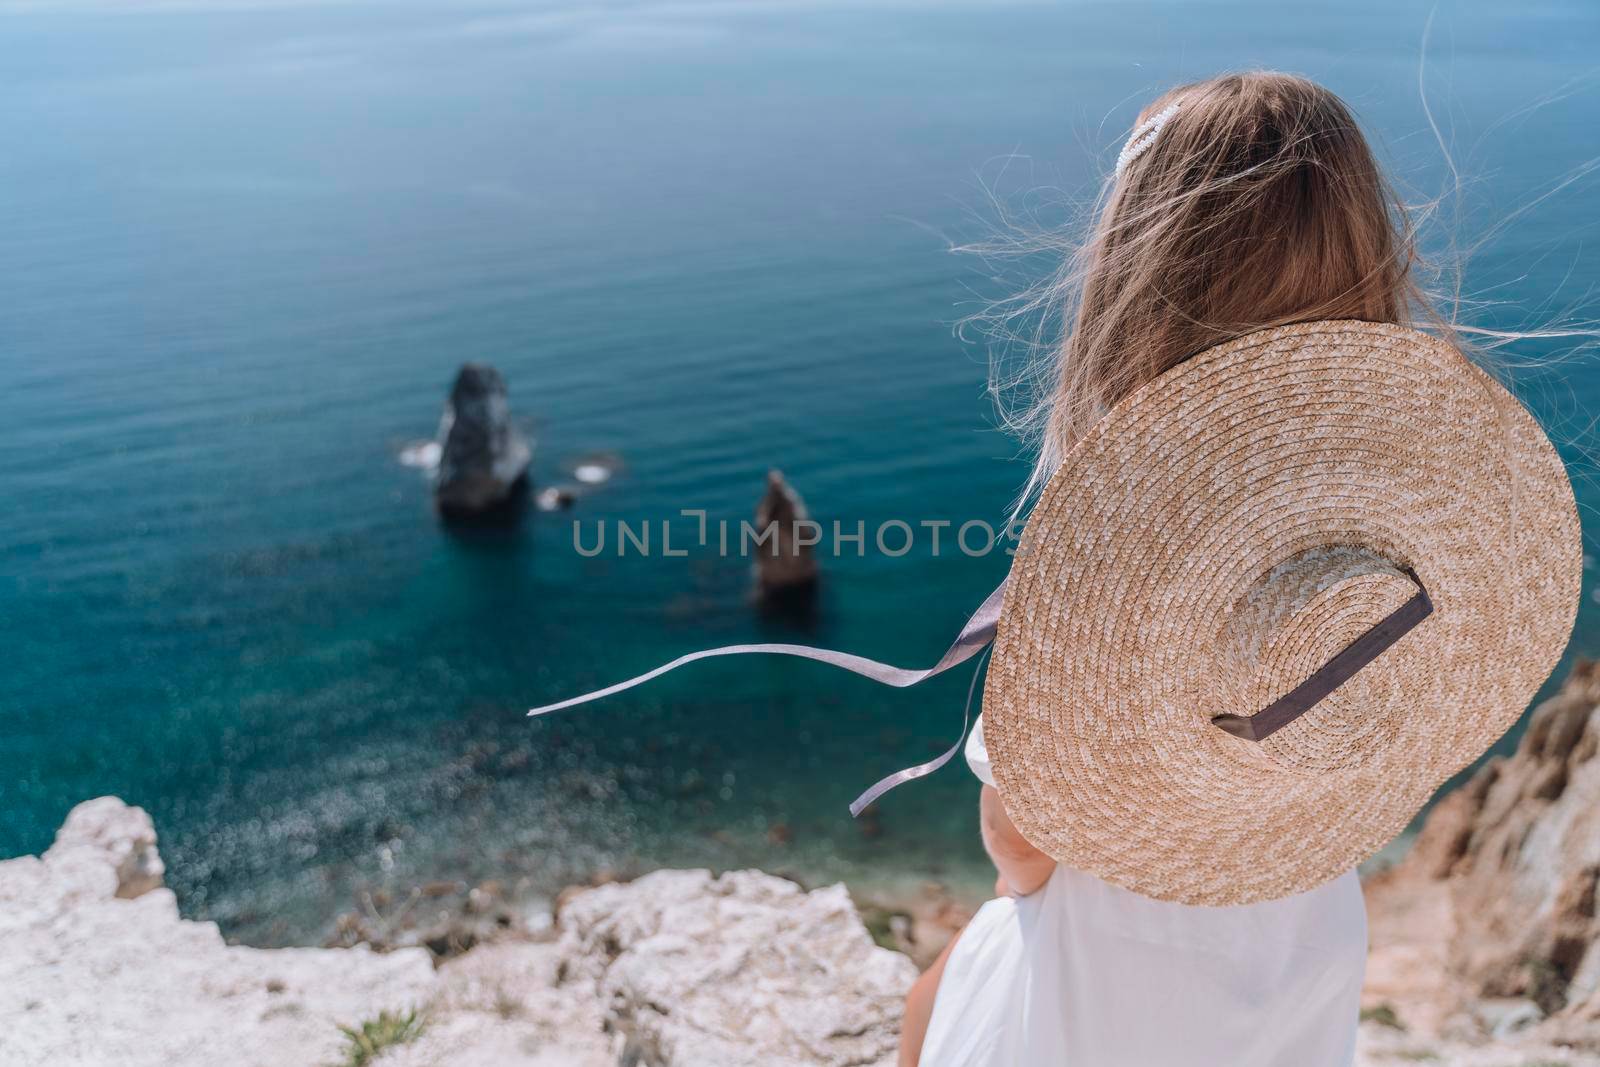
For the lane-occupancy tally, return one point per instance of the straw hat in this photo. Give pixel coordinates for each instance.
(1340, 540)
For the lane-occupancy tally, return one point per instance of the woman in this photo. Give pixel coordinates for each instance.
(1240, 203)
(1292, 565)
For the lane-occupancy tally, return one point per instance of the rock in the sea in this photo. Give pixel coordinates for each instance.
(556, 498)
(741, 970)
(484, 459)
(1495, 904)
(785, 563)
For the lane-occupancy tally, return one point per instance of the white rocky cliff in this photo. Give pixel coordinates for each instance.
(679, 967)
(676, 969)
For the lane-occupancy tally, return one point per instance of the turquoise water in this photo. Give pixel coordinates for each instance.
(245, 250)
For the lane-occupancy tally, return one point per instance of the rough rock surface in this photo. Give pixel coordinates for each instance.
(1489, 926)
(106, 848)
(446, 918)
(684, 969)
(742, 969)
(785, 564)
(503, 1005)
(678, 969)
(98, 968)
(484, 458)
(1386, 1046)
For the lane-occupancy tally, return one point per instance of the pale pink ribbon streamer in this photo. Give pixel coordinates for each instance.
(974, 636)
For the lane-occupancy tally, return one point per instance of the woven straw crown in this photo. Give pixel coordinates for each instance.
(1225, 532)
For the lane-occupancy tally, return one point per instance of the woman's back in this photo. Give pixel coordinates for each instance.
(1085, 972)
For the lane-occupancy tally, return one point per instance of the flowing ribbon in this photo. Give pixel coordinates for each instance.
(974, 636)
(898, 778)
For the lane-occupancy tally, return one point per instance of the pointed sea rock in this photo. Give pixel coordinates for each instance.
(483, 458)
(783, 564)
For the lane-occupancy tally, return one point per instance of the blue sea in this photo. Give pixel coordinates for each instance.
(244, 248)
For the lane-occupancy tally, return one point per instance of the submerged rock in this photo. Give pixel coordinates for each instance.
(556, 498)
(422, 456)
(483, 460)
(785, 563)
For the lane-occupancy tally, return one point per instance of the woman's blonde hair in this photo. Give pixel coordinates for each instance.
(1258, 203)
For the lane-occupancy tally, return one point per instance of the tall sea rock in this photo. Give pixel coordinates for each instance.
(785, 564)
(483, 459)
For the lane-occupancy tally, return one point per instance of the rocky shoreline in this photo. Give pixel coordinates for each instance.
(1483, 952)
(1488, 929)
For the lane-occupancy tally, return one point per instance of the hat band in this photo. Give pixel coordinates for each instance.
(1331, 675)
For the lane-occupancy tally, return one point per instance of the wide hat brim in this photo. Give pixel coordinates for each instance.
(1119, 639)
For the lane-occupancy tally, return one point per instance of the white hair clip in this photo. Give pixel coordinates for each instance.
(1144, 135)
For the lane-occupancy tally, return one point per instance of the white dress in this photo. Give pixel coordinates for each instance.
(1083, 973)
